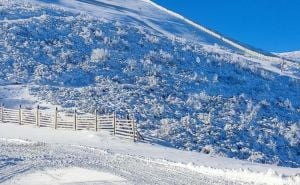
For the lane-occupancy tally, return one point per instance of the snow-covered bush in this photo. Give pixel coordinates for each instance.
(165, 56)
(288, 104)
(121, 32)
(42, 72)
(165, 127)
(153, 39)
(152, 81)
(198, 60)
(293, 134)
(208, 149)
(98, 33)
(99, 55)
(131, 65)
(215, 78)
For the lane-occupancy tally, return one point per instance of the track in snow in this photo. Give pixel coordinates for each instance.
(21, 159)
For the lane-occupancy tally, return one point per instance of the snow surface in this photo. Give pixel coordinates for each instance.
(56, 156)
(294, 55)
(72, 175)
(187, 88)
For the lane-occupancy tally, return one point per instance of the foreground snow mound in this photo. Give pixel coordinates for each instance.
(294, 55)
(48, 156)
(73, 175)
(199, 97)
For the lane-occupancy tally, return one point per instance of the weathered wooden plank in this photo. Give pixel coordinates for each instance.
(125, 131)
(124, 128)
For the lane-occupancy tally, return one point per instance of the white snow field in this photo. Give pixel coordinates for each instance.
(30, 156)
(187, 87)
(294, 55)
(73, 175)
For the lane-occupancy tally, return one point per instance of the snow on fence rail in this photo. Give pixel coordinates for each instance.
(124, 128)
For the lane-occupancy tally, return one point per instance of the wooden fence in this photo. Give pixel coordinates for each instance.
(124, 128)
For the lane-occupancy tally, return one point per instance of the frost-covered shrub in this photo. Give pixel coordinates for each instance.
(98, 79)
(131, 65)
(215, 78)
(86, 34)
(256, 156)
(293, 134)
(203, 96)
(147, 63)
(208, 149)
(121, 32)
(98, 33)
(153, 39)
(165, 56)
(194, 102)
(66, 55)
(42, 72)
(198, 60)
(152, 81)
(165, 127)
(99, 55)
(288, 104)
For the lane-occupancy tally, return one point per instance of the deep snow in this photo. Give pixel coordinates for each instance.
(183, 85)
(294, 55)
(28, 152)
(70, 175)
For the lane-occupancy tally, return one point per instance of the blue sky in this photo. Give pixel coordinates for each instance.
(271, 25)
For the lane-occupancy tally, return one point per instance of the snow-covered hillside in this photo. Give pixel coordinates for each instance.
(183, 85)
(294, 55)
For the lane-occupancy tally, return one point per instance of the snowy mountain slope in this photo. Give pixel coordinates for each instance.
(164, 21)
(70, 175)
(294, 55)
(34, 156)
(141, 13)
(169, 24)
(202, 96)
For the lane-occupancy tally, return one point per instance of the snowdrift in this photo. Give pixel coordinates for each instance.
(31, 156)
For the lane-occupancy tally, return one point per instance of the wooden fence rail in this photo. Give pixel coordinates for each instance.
(124, 128)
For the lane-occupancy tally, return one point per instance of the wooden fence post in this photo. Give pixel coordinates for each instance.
(2, 112)
(37, 116)
(114, 122)
(55, 118)
(20, 115)
(75, 120)
(134, 130)
(96, 120)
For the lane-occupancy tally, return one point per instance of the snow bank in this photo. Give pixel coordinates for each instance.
(234, 170)
(68, 176)
(244, 174)
(294, 55)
